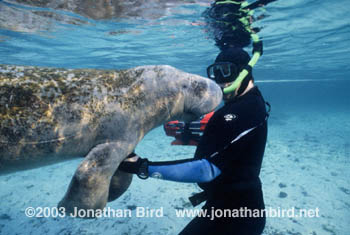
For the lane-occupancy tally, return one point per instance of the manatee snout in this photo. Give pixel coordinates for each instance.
(204, 98)
(215, 96)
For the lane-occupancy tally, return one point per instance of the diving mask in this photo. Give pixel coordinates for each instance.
(222, 72)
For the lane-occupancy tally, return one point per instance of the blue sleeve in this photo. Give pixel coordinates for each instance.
(190, 171)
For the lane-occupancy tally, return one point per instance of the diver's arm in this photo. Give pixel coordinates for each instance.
(188, 170)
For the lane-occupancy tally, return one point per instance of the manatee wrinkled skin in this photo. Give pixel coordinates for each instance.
(49, 115)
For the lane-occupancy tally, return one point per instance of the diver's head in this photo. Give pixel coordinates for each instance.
(228, 65)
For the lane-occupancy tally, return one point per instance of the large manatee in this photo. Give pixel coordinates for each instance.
(49, 115)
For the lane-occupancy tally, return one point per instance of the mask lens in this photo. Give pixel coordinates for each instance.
(222, 72)
(225, 70)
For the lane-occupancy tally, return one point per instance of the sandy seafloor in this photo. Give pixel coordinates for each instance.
(305, 166)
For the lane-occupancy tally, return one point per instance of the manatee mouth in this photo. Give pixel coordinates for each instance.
(197, 110)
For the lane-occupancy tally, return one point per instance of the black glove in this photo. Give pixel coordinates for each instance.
(140, 167)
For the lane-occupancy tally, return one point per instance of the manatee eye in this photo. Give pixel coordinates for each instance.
(184, 86)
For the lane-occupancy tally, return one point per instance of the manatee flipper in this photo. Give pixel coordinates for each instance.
(90, 184)
(120, 182)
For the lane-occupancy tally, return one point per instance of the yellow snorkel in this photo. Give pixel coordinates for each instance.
(257, 52)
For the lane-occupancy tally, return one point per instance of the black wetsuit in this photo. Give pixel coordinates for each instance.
(238, 185)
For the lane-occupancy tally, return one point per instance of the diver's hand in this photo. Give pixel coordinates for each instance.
(132, 157)
(135, 165)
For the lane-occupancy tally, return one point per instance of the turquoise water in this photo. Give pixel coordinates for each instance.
(304, 73)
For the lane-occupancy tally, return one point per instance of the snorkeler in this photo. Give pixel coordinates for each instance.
(228, 157)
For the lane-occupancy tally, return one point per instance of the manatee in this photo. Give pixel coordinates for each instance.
(49, 115)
